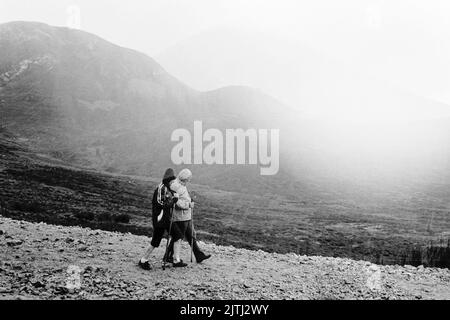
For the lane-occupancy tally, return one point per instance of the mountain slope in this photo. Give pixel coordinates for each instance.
(88, 102)
(36, 187)
(53, 259)
(83, 100)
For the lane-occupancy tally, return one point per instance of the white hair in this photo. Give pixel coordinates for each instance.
(184, 174)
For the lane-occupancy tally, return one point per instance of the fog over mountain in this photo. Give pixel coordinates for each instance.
(81, 99)
(403, 42)
(356, 120)
(319, 84)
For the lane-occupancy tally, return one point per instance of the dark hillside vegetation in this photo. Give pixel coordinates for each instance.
(35, 189)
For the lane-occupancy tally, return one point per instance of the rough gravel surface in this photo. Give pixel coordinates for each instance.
(40, 261)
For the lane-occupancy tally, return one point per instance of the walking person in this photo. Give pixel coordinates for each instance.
(182, 218)
(162, 205)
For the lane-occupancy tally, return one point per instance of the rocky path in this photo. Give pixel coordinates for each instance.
(40, 261)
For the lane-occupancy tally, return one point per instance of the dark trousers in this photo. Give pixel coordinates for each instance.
(187, 228)
(159, 229)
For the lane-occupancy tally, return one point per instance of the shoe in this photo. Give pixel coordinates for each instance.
(145, 265)
(179, 264)
(203, 258)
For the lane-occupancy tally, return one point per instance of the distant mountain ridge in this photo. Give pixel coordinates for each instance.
(89, 102)
(318, 84)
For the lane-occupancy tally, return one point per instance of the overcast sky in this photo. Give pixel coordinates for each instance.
(164, 22)
(392, 36)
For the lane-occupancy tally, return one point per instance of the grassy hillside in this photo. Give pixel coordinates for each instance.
(37, 188)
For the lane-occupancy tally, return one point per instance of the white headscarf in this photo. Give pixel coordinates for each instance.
(184, 175)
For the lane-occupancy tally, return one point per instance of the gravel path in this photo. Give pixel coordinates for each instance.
(40, 261)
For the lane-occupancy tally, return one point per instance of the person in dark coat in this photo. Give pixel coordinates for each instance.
(163, 202)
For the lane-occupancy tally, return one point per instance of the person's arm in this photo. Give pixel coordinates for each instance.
(183, 202)
(171, 201)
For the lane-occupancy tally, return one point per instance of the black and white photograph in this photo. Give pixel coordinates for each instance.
(224, 150)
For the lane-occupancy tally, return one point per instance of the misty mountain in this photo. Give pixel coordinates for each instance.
(358, 125)
(76, 97)
(319, 84)
(81, 99)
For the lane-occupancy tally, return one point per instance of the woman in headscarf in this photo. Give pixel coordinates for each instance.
(182, 218)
